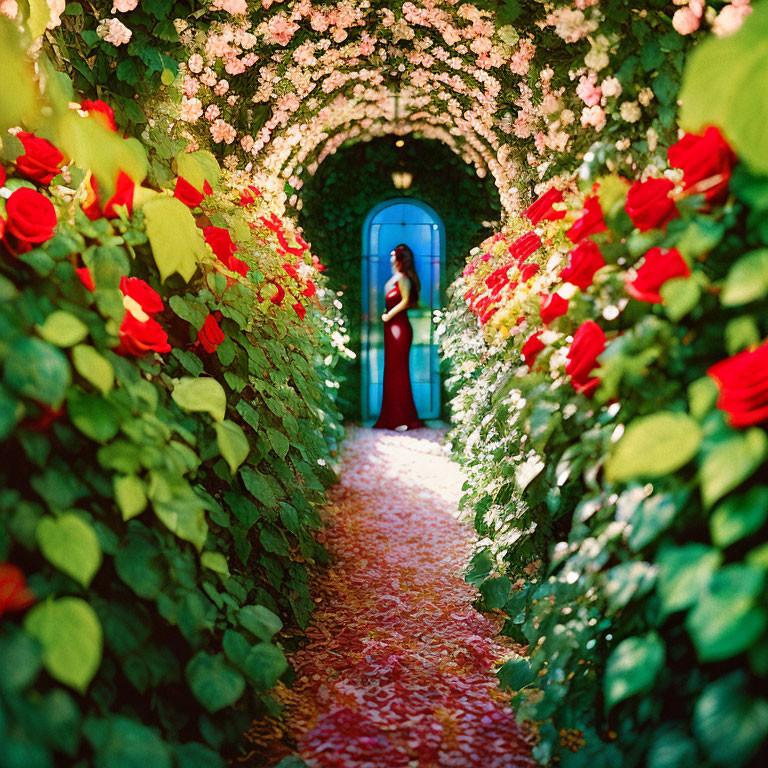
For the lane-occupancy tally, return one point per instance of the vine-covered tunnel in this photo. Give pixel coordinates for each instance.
(208, 557)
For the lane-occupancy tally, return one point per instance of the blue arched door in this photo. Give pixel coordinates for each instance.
(402, 220)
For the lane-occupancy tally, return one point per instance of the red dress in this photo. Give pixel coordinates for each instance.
(397, 406)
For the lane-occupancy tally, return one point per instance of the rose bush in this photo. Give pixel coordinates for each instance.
(616, 455)
(166, 439)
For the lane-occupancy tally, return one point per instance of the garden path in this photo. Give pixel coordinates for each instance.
(398, 666)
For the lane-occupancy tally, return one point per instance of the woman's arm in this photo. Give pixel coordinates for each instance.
(405, 294)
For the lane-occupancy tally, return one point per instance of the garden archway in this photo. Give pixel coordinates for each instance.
(402, 220)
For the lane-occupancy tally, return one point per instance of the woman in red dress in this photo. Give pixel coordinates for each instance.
(398, 411)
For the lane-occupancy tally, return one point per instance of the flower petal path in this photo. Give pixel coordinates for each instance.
(398, 667)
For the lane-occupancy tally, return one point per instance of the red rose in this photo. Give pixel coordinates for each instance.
(542, 209)
(40, 161)
(531, 349)
(588, 344)
(585, 259)
(527, 271)
(187, 193)
(124, 189)
(316, 262)
(300, 310)
(210, 335)
(43, 422)
(222, 245)
(248, 196)
(552, 307)
(101, 112)
(310, 290)
(140, 291)
(15, 595)
(3, 176)
(498, 278)
(31, 218)
(139, 336)
(658, 267)
(590, 222)
(86, 278)
(743, 384)
(291, 270)
(706, 162)
(649, 204)
(524, 246)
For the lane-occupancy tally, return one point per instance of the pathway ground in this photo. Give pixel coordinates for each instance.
(397, 671)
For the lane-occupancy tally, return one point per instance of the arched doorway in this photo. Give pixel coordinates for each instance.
(402, 220)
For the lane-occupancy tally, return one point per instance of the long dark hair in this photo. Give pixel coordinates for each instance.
(406, 264)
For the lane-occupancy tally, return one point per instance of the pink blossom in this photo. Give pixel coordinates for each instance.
(594, 117)
(281, 28)
(114, 31)
(223, 131)
(730, 19)
(124, 6)
(195, 63)
(234, 7)
(190, 86)
(588, 91)
(221, 87)
(208, 77)
(212, 112)
(191, 110)
(9, 8)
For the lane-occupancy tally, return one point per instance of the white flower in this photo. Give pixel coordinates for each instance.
(630, 111)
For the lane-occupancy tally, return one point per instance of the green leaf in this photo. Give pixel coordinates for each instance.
(739, 516)
(179, 508)
(508, 13)
(202, 394)
(264, 665)
(70, 634)
(199, 167)
(632, 667)
(129, 495)
(215, 561)
(232, 442)
(702, 395)
(496, 592)
(726, 621)
(92, 145)
(680, 295)
(63, 329)
(730, 462)
(741, 333)
(70, 544)
(37, 370)
(19, 95)
(729, 722)
(278, 441)
(747, 279)
(215, 683)
(94, 416)
(177, 243)
(139, 564)
(93, 367)
(725, 96)
(654, 446)
(684, 572)
(260, 620)
(120, 742)
(515, 674)
(39, 16)
(257, 485)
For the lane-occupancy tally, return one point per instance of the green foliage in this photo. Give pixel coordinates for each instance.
(725, 96)
(631, 524)
(163, 507)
